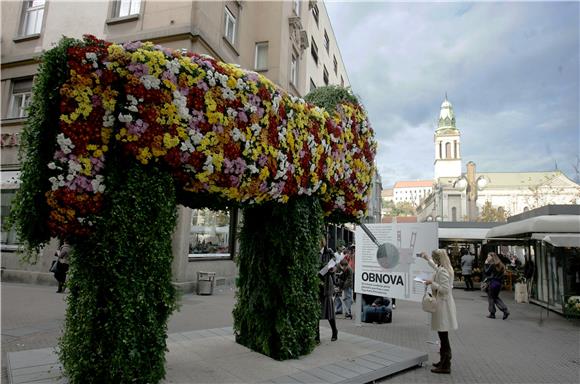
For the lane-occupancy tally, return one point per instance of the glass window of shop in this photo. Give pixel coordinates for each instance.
(558, 273)
(8, 238)
(210, 234)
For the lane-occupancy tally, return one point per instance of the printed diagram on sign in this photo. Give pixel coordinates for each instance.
(386, 261)
(395, 258)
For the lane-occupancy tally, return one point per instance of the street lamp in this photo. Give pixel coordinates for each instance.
(471, 186)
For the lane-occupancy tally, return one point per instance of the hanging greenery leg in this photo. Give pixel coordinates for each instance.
(277, 307)
(120, 284)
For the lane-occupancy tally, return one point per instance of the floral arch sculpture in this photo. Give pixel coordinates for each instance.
(118, 135)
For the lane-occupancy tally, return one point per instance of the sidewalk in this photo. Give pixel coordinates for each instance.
(532, 346)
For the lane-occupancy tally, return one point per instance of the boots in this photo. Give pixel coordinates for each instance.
(444, 366)
(334, 329)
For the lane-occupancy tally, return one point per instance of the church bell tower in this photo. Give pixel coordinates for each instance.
(447, 144)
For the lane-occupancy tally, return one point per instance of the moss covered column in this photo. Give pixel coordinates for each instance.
(277, 307)
(120, 284)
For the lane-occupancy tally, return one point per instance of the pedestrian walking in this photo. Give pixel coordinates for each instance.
(326, 290)
(62, 266)
(444, 318)
(467, 268)
(494, 271)
(529, 272)
(345, 284)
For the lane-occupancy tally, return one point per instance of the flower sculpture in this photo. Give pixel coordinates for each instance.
(217, 129)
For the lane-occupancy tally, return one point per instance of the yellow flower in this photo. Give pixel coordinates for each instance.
(170, 141)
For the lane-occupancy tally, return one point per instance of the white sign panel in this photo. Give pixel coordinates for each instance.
(386, 263)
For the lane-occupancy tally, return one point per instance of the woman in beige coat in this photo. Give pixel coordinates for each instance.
(444, 318)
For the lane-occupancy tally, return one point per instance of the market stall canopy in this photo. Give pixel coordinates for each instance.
(545, 225)
(559, 239)
(462, 233)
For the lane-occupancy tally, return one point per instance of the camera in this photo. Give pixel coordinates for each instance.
(418, 255)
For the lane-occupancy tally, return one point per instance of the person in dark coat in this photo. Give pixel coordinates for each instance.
(326, 291)
(494, 272)
(62, 266)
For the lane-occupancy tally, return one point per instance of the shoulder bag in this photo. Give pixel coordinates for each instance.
(429, 302)
(54, 266)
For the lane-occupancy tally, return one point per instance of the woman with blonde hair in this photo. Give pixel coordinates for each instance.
(494, 271)
(444, 318)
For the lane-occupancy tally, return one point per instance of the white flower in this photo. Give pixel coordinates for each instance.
(228, 94)
(253, 168)
(186, 146)
(51, 165)
(208, 165)
(232, 112)
(256, 129)
(173, 66)
(108, 120)
(54, 183)
(125, 118)
(237, 135)
(64, 143)
(97, 184)
(150, 81)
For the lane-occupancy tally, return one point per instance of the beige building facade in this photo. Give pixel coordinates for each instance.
(290, 42)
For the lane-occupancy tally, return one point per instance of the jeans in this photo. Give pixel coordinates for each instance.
(493, 298)
(337, 304)
(347, 300)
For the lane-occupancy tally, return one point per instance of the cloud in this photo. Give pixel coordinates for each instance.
(511, 71)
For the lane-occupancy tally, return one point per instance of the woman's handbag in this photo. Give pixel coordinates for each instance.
(485, 284)
(429, 302)
(54, 266)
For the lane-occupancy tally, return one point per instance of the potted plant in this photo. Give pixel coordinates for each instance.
(572, 306)
(521, 287)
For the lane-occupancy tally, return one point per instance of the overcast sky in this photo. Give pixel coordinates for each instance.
(511, 71)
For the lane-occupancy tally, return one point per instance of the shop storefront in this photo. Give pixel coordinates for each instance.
(551, 239)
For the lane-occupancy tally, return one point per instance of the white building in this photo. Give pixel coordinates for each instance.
(460, 196)
(412, 191)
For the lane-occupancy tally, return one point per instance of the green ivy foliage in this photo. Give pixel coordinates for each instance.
(120, 284)
(277, 309)
(29, 211)
(329, 96)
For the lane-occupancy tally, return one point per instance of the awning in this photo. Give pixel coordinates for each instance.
(550, 224)
(10, 179)
(559, 239)
(462, 233)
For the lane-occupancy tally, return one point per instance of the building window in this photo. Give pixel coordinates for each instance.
(326, 41)
(122, 8)
(315, 13)
(335, 63)
(296, 7)
(32, 14)
(294, 70)
(20, 98)
(325, 75)
(312, 85)
(230, 26)
(210, 233)
(341, 81)
(261, 62)
(8, 236)
(314, 50)
(454, 214)
(448, 150)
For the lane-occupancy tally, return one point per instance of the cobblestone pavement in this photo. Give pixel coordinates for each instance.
(532, 346)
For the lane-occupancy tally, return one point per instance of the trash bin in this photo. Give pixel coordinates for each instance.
(205, 283)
